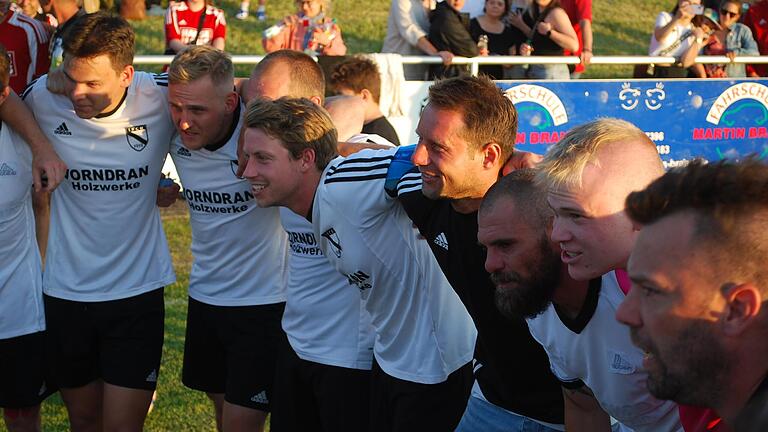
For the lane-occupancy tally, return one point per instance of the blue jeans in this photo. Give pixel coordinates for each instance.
(482, 416)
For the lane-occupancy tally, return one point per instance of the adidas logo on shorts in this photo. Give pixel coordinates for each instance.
(260, 398)
(183, 152)
(442, 241)
(6, 170)
(152, 377)
(62, 130)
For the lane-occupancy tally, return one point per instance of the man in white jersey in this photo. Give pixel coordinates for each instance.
(23, 371)
(697, 307)
(108, 259)
(424, 335)
(588, 175)
(236, 286)
(599, 368)
(322, 380)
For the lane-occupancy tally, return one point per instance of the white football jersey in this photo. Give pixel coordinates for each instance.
(240, 250)
(598, 350)
(423, 331)
(106, 241)
(21, 283)
(325, 319)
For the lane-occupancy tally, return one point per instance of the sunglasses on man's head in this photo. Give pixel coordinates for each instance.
(728, 13)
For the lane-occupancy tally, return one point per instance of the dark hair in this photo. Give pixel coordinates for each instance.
(307, 79)
(738, 3)
(100, 33)
(535, 12)
(5, 68)
(298, 123)
(529, 196)
(506, 7)
(489, 116)
(357, 74)
(730, 203)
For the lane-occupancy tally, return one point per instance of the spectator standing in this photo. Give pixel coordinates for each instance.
(673, 36)
(756, 19)
(66, 12)
(261, 11)
(407, 29)
(33, 9)
(550, 34)
(449, 31)
(194, 22)
(580, 14)
(26, 41)
(502, 38)
(310, 30)
(360, 77)
(726, 37)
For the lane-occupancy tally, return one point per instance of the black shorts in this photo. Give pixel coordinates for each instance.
(24, 377)
(402, 406)
(233, 350)
(311, 396)
(117, 341)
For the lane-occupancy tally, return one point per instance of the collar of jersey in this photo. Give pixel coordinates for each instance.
(235, 119)
(122, 101)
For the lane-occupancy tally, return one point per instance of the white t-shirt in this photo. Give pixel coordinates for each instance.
(674, 43)
(240, 250)
(325, 319)
(106, 241)
(21, 283)
(598, 351)
(423, 331)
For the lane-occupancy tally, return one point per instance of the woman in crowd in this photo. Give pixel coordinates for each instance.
(310, 30)
(673, 36)
(549, 33)
(502, 38)
(722, 34)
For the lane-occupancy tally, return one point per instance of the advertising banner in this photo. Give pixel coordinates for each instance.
(712, 119)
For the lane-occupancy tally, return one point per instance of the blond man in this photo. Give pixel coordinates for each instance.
(236, 286)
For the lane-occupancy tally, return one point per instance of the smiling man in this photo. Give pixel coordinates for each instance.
(697, 306)
(109, 260)
(424, 336)
(237, 283)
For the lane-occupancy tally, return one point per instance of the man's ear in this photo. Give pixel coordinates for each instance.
(742, 307)
(231, 102)
(491, 153)
(366, 95)
(308, 158)
(317, 100)
(126, 76)
(5, 93)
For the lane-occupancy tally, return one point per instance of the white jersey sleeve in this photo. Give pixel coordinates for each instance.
(21, 295)
(423, 331)
(325, 319)
(239, 249)
(106, 240)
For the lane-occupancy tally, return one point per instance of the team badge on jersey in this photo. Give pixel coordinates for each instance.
(137, 137)
(333, 240)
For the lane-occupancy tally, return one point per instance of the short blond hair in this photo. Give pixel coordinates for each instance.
(198, 61)
(565, 161)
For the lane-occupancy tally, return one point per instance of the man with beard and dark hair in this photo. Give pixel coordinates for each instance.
(589, 352)
(697, 306)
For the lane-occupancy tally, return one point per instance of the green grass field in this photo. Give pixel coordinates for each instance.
(620, 27)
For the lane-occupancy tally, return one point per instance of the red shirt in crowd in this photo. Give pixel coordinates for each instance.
(181, 23)
(26, 41)
(756, 19)
(577, 10)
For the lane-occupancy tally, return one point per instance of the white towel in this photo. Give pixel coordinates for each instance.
(392, 78)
